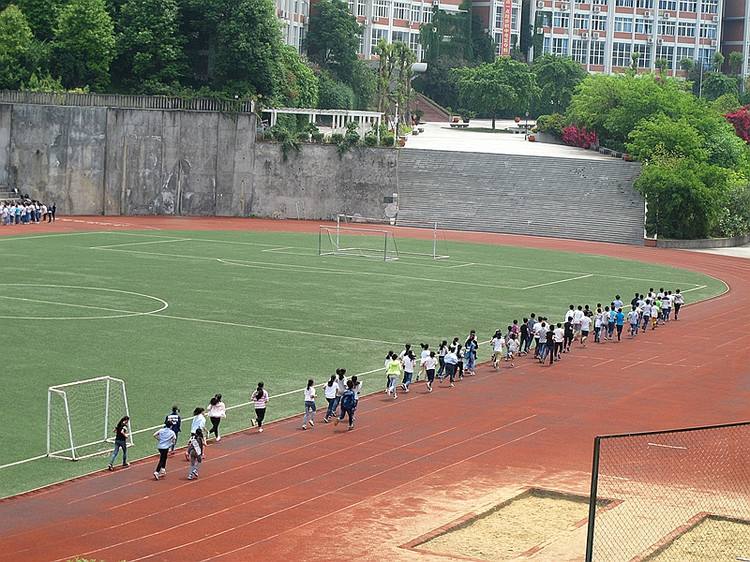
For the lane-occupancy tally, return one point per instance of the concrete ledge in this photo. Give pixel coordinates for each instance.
(699, 244)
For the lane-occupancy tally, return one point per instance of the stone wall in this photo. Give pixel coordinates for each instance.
(96, 160)
(701, 244)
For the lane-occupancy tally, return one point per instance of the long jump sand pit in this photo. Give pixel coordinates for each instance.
(718, 539)
(522, 525)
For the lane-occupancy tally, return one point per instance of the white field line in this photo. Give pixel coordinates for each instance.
(140, 243)
(558, 281)
(459, 265)
(694, 288)
(282, 248)
(56, 303)
(7, 238)
(666, 446)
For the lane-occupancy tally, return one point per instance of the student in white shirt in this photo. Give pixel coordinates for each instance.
(429, 365)
(511, 346)
(558, 336)
(309, 405)
(585, 329)
(199, 422)
(408, 361)
(497, 343)
(679, 300)
(216, 411)
(422, 356)
(633, 320)
(260, 399)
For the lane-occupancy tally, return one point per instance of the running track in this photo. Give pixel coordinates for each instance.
(412, 464)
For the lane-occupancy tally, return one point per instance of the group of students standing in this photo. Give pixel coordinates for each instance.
(27, 211)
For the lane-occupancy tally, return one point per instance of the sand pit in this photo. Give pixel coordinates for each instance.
(715, 539)
(528, 521)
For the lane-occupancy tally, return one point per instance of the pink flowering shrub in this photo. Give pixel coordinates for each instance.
(579, 136)
(741, 121)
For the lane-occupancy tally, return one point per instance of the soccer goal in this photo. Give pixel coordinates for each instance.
(431, 247)
(361, 242)
(82, 415)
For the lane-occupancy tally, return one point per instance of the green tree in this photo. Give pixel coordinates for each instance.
(716, 84)
(333, 37)
(664, 136)
(298, 85)
(557, 79)
(735, 62)
(42, 15)
(84, 44)
(504, 85)
(149, 53)
(334, 94)
(16, 42)
(364, 84)
(247, 46)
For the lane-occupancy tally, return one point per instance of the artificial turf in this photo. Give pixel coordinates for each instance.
(247, 306)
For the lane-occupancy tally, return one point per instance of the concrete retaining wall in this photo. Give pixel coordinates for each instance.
(702, 244)
(98, 160)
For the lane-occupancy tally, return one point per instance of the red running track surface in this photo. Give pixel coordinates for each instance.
(412, 464)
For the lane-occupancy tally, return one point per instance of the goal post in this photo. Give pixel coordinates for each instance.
(436, 238)
(82, 415)
(360, 242)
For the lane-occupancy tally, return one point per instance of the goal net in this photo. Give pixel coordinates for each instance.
(361, 242)
(428, 245)
(82, 415)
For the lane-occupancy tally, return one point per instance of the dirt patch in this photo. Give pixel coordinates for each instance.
(523, 524)
(714, 539)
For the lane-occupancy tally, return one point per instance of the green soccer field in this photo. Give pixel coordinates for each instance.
(182, 315)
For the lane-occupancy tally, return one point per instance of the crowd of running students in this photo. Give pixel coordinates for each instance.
(545, 338)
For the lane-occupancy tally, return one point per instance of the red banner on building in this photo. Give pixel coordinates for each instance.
(507, 28)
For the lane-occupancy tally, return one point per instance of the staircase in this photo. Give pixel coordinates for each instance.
(533, 195)
(6, 193)
(433, 113)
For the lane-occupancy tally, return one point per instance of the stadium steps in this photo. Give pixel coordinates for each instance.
(433, 112)
(541, 196)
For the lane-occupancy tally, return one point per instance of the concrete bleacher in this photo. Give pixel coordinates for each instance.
(576, 198)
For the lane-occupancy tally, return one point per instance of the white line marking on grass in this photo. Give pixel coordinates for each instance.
(123, 313)
(6, 238)
(666, 446)
(280, 248)
(694, 288)
(556, 282)
(459, 265)
(166, 241)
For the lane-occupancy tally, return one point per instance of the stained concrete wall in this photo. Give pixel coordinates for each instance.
(157, 162)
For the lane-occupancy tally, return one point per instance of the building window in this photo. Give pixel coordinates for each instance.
(642, 25)
(362, 9)
(415, 8)
(581, 21)
(648, 4)
(624, 3)
(668, 5)
(401, 36)
(377, 35)
(547, 46)
(623, 24)
(380, 9)
(351, 7)
(414, 41)
(644, 60)
(666, 52)
(426, 16)
(706, 57)
(708, 30)
(499, 44)
(666, 27)
(400, 11)
(710, 6)
(682, 53)
(499, 17)
(580, 50)
(688, 6)
(514, 18)
(596, 55)
(621, 54)
(599, 23)
(686, 28)
(599, 2)
(560, 46)
(560, 19)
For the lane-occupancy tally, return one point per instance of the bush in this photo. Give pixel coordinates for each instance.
(334, 94)
(579, 136)
(336, 138)
(552, 124)
(303, 136)
(388, 139)
(741, 121)
(371, 139)
(317, 137)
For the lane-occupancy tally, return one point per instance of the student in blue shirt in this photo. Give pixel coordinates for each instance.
(620, 322)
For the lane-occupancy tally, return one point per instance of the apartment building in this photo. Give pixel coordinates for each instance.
(293, 15)
(735, 35)
(603, 34)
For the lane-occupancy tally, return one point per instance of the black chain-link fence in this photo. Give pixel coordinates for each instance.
(680, 495)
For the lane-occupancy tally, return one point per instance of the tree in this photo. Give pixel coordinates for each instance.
(364, 84)
(717, 61)
(504, 85)
(42, 15)
(404, 59)
(248, 47)
(84, 44)
(150, 58)
(16, 41)
(665, 136)
(735, 60)
(557, 79)
(716, 84)
(386, 68)
(333, 37)
(334, 94)
(298, 84)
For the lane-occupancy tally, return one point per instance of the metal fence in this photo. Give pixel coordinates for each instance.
(678, 495)
(128, 102)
